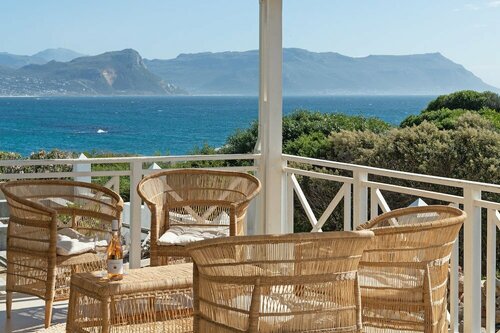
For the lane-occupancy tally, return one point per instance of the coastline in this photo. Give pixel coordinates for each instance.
(432, 95)
(163, 124)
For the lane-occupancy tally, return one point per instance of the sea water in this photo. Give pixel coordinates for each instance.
(165, 125)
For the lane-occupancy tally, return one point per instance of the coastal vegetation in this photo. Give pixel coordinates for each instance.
(446, 110)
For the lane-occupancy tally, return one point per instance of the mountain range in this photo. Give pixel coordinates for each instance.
(111, 73)
(311, 73)
(65, 72)
(17, 61)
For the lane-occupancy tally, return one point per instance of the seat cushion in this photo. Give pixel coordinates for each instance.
(391, 284)
(178, 234)
(177, 218)
(71, 242)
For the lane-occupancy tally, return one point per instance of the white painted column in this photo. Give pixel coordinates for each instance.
(270, 114)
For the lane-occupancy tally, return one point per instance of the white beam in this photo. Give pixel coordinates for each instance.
(270, 114)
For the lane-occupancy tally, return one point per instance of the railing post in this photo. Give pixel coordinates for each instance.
(116, 184)
(289, 199)
(154, 166)
(360, 198)
(347, 208)
(491, 271)
(135, 215)
(84, 167)
(373, 203)
(87, 167)
(472, 261)
(454, 283)
(257, 228)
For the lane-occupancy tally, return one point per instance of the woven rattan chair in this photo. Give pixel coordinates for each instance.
(404, 271)
(38, 209)
(287, 283)
(194, 198)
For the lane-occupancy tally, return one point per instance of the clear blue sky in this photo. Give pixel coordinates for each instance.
(468, 32)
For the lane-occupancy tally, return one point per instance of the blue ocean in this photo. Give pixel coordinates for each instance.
(165, 125)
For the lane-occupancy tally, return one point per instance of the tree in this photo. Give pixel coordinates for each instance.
(466, 99)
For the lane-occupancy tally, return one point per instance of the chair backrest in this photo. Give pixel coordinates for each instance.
(38, 208)
(415, 234)
(284, 283)
(404, 271)
(197, 196)
(199, 184)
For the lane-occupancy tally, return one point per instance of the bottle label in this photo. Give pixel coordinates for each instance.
(115, 266)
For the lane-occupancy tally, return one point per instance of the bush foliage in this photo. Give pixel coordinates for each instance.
(303, 128)
(445, 110)
(467, 152)
(466, 99)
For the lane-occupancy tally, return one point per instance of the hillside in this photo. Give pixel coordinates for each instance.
(57, 72)
(58, 54)
(16, 61)
(310, 73)
(110, 73)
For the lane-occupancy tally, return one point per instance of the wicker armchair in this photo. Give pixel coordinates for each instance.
(38, 209)
(287, 283)
(195, 199)
(404, 271)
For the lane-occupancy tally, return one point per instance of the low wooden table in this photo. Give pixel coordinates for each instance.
(152, 299)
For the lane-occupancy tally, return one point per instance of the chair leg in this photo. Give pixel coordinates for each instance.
(48, 312)
(9, 304)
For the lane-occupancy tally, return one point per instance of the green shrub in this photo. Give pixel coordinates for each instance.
(467, 152)
(306, 127)
(466, 99)
(10, 156)
(449, 119)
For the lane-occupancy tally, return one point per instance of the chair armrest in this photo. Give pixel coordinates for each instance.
(31, 228)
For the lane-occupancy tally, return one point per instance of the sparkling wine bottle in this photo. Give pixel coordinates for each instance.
(115, 254)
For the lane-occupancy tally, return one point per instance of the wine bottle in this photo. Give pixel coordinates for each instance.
(115, 254)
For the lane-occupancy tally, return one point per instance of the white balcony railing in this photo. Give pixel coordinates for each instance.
(355, 189)
(361, 191)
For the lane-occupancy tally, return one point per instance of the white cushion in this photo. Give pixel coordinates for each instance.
(71, 242)
(223, 218)
(267, 304)
(179, 234)
(181, 218)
